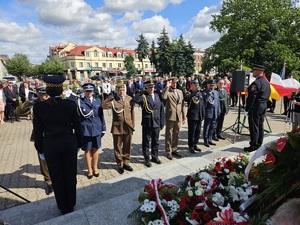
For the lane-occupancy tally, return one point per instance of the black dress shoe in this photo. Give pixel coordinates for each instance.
(215, 139)
(120, 170)
(191, 150)
(148, 164)
(48, 189)
(128, 168)
(90, 176)
(196, 148)
(249, 149)
(220, 137)
(211, 143)
(96, 174)
(157, 161)
(206, 144)
(176, 154)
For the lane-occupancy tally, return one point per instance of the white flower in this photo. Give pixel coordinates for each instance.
(190, 193)
(218, 199)
(199, 192)
(226, 170)
(197, 184)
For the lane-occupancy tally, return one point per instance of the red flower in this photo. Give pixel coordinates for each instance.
(151, 195)
(184, 198)
(182, 205)
(195, 215)
(270, 159)
(169, 197)
(207, 217)
(281, 143)
(181, 222)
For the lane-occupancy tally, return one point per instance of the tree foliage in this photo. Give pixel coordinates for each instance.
(18, 65)
(153, 54)
(129, 65)
(254, 31)
(51, 66)
(163, 53)
(142, 50)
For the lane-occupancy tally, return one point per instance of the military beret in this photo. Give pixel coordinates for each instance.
(120, 85)
(258, 67)
(195, 82)
(53, 80)
(149, 83)
(88, 87)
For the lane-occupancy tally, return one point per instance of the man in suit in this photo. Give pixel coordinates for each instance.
(12, 100)
(98, 90)
(139, 84)
(195, 115)
(175, 115)
(122, 126)
(224, 107)
(130, 89)
(25, 92)
(153, 120)
(212, 112)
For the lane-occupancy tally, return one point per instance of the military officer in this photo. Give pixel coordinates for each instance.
(122, 128)
(224, 107)
(93, 127)
(256, 106)
(153, 120)
(195, 115)
(212, 112)
(54, 123)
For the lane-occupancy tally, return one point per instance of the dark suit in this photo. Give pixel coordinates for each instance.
(22, 93)
(130, 89)
(12, 105)
(153, 120)
(139, 85)
(195, 115)
(98, 92)
(53, 127)
(212, 112)
(224, 107)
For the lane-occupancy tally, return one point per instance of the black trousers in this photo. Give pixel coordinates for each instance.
(256, 124)
(194, 129)
(61, 157)
(234, 98)
(209, 129)
(11, 107)
(150, 134)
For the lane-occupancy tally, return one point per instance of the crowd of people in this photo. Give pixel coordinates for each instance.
(67, 118)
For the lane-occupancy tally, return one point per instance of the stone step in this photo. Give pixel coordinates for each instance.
(112, 201)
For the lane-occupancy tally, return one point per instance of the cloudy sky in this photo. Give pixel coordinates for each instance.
(31, 26)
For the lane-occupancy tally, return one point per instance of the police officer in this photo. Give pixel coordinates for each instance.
(122, 128)
(212, 112)
(153, 120)
(256, 106)
(195, 115)
(93, 127)
(54, 123)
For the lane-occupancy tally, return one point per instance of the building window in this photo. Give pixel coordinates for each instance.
(81, 64)
(133, 56)
(124, 55)
(104, 54)
(104, 64)
(120, 65)
(88, 64)
(138, 65)
(87, 54)
(95, 54)
(110, 55)
(119, 55)
(146, 65)
(110, 65)
(96, 65)
(72, 64)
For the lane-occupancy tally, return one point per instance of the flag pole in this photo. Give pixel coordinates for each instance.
(282, 75)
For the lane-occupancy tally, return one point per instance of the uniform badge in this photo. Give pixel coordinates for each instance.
(253, 87)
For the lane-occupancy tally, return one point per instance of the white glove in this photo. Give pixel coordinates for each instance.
(42, 156)
(245, 113)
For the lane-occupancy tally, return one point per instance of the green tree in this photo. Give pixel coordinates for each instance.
(179, 57)
(254, 31)
(129, 65)
(18, 65)
(142, 50)
(34, 71)
(189, 59)
(163, 54)
(153, 54)
(52, 66)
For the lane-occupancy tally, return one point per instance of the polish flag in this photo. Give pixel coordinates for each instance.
(284, 87)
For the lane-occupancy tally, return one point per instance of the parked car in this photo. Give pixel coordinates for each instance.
(10, 77)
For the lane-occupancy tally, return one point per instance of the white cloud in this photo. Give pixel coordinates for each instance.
(152, 27)
(60, 12)
(118, 6)
(130, 16)
(199, 34)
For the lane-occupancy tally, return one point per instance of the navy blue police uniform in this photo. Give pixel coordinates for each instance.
(153, 120)
(195, 115)
(92, 120)
(256, 106)
(212, 112)
(55, 121)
